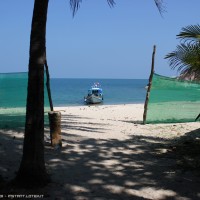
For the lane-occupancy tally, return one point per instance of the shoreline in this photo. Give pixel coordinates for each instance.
(101, 104)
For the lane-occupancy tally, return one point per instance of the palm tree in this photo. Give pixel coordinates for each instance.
(186, 57)
(32, 171)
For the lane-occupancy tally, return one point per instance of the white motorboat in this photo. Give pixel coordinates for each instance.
(95, 94)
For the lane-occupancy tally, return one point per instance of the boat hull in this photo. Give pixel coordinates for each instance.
(93, 99)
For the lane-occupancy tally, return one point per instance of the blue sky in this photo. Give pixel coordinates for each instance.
(99, 42)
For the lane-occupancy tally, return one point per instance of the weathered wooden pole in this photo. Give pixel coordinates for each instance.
(48, 85)
(54, 116)
(149, 86)
(55, 128)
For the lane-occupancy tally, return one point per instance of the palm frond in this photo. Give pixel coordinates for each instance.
(186, 58)
(75, 4)
(160, 6)
(111, 3)
(191, 33)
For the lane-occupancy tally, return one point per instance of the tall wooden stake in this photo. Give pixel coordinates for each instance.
(54, 116)
(149, 86)
(48, 85)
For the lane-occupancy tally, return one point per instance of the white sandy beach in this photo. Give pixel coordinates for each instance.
(108, 153)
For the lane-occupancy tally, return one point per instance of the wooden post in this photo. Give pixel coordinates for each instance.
(55, 128)
(149, 86)
(54, 116)
(48, 85)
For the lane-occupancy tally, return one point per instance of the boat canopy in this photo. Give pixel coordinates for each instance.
(95, 91)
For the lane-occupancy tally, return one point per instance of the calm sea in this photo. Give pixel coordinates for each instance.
(71, 92)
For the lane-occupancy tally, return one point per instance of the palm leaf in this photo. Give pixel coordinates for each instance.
(191, 33)
(111, 3)
(186, 58)
(160, 6)
(75, 4)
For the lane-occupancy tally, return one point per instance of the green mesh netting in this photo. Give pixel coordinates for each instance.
(173, 100)
(13, 94)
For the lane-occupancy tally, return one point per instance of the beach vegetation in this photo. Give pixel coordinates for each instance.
(32, 170)
(186, 58)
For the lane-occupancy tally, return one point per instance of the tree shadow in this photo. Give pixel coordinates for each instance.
(11, 151)
(132, 121)
(71, 122)
(121, 170)
(187, 151)
(140, 167)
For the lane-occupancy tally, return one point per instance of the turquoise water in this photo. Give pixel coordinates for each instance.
(71, 92)
(65, 92)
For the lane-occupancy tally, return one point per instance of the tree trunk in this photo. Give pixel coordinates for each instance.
(32, 171)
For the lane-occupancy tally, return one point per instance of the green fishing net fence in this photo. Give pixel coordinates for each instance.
(172, 100)
(13, 94)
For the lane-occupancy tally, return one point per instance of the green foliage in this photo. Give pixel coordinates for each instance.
(191, 32)
(186, 57)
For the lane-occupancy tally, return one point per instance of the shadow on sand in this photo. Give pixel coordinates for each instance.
(141, 167)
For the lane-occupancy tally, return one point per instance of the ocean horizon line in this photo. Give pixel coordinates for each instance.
(100, 78)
